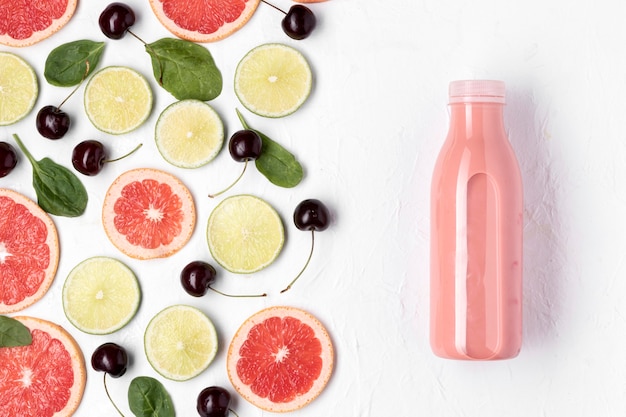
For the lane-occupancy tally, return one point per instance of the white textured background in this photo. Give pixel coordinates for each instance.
(368, 138)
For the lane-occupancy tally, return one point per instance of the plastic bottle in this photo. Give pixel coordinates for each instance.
(476, 231)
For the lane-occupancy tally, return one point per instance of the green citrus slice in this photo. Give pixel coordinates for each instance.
(118, 100)
(245, 234)
(19, 88)
(189, 133)
(180, 342)
(100, 295)
(273, 80)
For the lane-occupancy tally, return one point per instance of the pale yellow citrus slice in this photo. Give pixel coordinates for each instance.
(118, 99)
(273, 80)
(100, 295)
(19, 88)
(189, 133)
(180, 342)
(245, 234)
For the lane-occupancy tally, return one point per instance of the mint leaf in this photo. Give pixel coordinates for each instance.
(13, 333)
(147, 397)
(69, 64)
(185, 69)
(275, 162)
(58, 190)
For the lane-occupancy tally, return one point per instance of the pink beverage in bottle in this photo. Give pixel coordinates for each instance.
(476, 231)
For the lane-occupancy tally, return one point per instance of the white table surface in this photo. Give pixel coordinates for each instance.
(368, 138)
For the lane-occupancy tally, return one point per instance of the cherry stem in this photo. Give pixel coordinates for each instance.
(233, 411)
(305, 265)
(124, 156)
(238, 295)
(245, 165)
(109, 395)
(270, 4)
(77, 86)
(137, 37)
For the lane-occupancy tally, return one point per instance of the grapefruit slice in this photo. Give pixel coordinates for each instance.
(148, 213)
(29, 251)
(44, 379)
(280, 359)
(26, 22)
(203, 20)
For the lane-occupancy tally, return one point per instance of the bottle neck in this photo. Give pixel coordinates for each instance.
(477, 120)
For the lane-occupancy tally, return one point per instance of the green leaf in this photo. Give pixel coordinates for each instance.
(275, 162)
(13, 333)
(69, 64)
(58, 190)
(185, 69)
(147, 397)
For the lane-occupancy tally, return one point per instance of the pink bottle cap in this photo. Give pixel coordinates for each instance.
(477, 91)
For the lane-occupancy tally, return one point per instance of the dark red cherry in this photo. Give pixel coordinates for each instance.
(88, 157)
(110, 358)
(8, 159)
(52, 122)
(311, 214)
(197, 278)
(116, 19)
(299, 22)
(213, 402)
(245, 145)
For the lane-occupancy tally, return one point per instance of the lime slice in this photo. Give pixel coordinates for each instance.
(180, 342)
(118, 100)
(18, 88)
(245, 234)
(273, 80)
(189, 134)
(100, 295)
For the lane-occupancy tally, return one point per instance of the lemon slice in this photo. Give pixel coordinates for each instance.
(180, 342)
(273, 80)
(245, 234)
(100, 295)
(189, 134)
(18, 88)
(118, 100)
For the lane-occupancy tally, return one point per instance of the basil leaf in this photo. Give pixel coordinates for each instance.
(185, 69)
(58, 190)
(13, 333)
(148, 398)
(275, 162)
(69, 64)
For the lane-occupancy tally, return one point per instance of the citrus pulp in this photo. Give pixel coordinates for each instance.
(118, 100)
(19, 88)
(189, 133)
(245, 234)
(27, 22)
(44, 379)
(100, 295)
(29, 251)
(148, 213)
(203, 20)
(180, 342)
(273, 80)
(280, 359)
